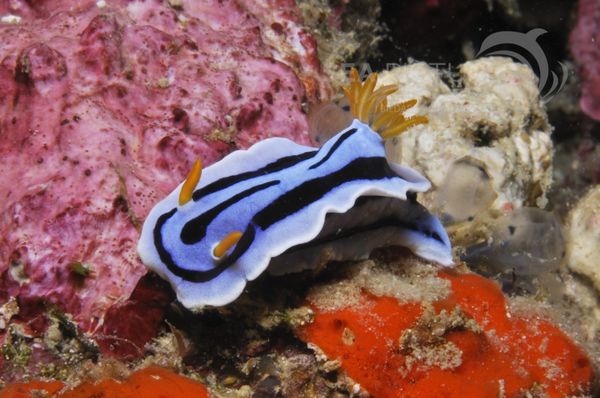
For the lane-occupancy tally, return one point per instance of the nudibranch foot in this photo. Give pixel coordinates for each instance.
(373, 222)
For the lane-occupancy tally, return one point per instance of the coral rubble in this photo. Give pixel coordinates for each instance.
(496, 121)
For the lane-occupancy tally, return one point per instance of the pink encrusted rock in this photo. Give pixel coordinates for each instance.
(585, 48)
(103, 109)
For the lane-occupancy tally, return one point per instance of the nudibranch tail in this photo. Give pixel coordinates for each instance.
(226, 243)
(370, 106)
(185, 195)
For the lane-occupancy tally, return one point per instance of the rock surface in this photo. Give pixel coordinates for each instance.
(586, 52)
(525, 242)
(104, 107)
(583, 237)
(496, 121)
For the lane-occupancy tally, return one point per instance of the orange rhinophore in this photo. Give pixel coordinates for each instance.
(185, 195)
(226, 243)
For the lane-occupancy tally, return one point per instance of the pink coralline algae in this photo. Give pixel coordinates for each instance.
(104, 107)
(585, 48)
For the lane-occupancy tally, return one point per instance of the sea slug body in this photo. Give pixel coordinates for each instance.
(281, 203)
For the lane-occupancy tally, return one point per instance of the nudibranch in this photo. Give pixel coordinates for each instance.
(282, 205)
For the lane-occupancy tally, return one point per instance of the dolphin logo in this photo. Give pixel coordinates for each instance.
(527, 42)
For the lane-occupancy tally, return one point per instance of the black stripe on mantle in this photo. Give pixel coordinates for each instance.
(197, 276)
(371, 168)
(366, 168)
(273, 167)
(333, 148)
(195, 230)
